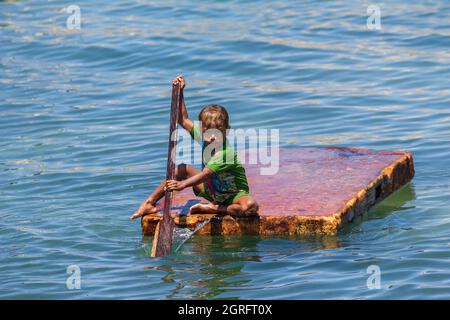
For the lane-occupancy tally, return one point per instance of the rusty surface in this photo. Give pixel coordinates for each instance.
(315, 191)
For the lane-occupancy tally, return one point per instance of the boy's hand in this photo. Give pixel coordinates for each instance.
(174, 185)
(179, 79)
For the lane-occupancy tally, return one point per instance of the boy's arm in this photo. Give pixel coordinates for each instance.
(195, 179)
(183, 119)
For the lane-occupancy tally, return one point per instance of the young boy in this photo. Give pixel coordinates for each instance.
(222, 182)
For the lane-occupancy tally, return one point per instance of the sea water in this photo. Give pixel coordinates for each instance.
(84, 128)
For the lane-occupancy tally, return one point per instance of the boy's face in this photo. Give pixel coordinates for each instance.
(211, 134)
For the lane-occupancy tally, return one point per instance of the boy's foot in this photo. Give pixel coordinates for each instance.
(204, 208)
(145, 208)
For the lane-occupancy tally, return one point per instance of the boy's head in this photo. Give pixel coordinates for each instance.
(213, 116)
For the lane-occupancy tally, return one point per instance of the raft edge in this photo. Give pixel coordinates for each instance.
(390, 179)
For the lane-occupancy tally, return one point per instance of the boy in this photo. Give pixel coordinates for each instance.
(222, 182)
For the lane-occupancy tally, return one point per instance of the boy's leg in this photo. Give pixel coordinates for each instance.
(245, 205)
(182, 172)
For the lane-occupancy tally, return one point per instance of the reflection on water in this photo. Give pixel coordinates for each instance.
(222, 257)
(397, 202)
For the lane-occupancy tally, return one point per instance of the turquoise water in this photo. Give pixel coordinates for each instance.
(84, 122)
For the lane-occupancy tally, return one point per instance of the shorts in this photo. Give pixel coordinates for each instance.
(205, 195)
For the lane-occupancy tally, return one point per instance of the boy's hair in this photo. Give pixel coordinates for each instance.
(214, 116)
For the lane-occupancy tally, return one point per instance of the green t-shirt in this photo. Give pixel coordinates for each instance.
(229, 175)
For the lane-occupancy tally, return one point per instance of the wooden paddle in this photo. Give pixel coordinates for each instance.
(162, 242)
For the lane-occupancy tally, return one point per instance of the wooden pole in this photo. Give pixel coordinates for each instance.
(162, 242)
